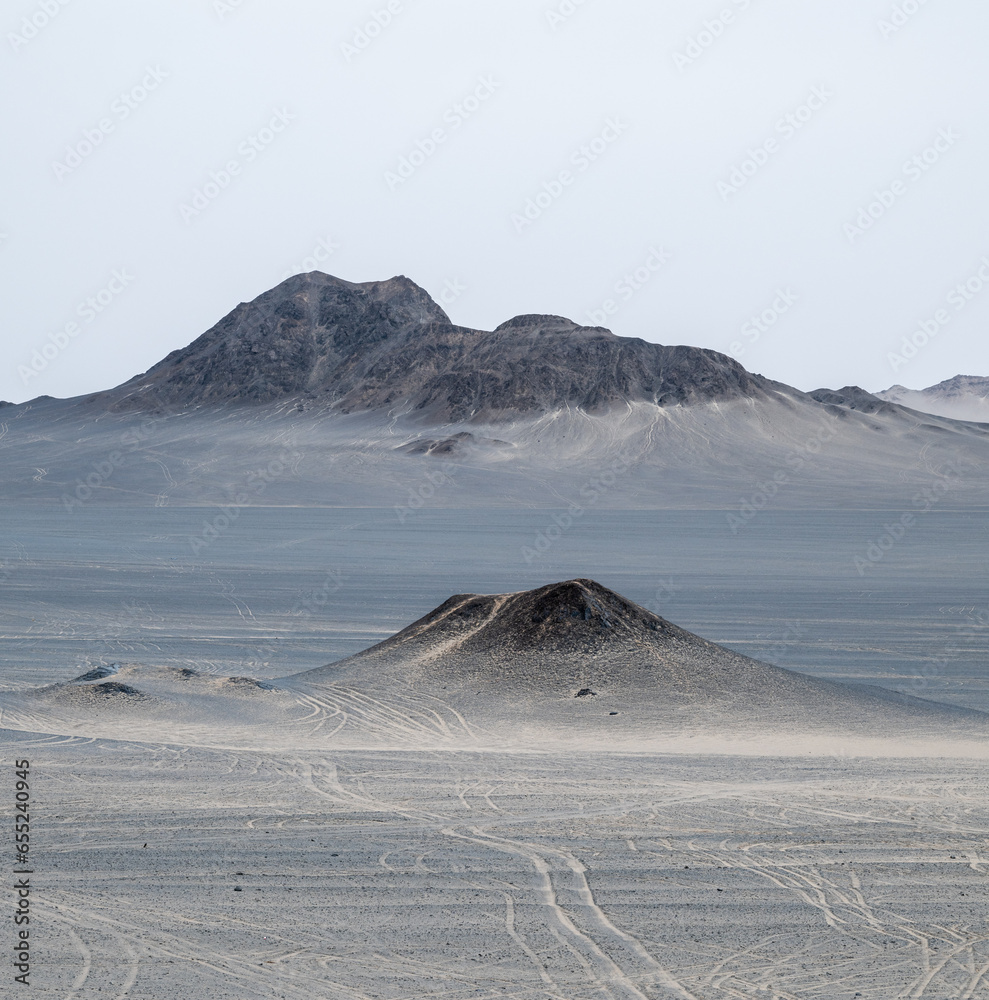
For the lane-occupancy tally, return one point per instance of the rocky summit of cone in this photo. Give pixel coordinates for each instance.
(575, 617)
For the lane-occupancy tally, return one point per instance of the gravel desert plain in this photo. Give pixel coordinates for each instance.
(357, 655)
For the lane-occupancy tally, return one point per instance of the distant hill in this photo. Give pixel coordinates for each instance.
(328, 392)
(964, 397)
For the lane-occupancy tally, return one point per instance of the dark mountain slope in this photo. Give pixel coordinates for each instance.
(387, 346)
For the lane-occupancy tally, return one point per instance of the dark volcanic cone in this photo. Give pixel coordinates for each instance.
(540, 656)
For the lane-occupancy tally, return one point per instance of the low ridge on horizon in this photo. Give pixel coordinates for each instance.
(961, 397)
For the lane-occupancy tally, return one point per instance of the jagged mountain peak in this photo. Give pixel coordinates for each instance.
(402, 295)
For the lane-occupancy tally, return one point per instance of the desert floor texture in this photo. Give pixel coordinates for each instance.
(238, 858)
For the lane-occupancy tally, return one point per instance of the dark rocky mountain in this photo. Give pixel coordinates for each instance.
(358, 391)
(386, 345)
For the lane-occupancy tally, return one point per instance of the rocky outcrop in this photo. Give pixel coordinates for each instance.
(387, 345)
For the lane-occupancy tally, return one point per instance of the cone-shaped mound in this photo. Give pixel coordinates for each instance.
(576, 654)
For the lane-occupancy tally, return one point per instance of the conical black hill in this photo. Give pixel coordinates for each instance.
(536, 656)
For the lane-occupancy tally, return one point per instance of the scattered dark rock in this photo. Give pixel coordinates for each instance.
(585, 693)
(250, 682)
(115, 688)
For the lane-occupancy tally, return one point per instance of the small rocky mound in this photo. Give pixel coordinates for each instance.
(537, 655)
(113, 689)
(249, 682)
(97, 673)
(428, 446)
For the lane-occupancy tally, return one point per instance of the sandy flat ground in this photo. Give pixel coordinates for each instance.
(455, 874)
(438, 872)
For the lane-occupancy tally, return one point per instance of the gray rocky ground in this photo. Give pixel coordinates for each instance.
(283, 861)
(390, 875)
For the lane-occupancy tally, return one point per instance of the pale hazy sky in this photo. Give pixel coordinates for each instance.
(308, 136)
